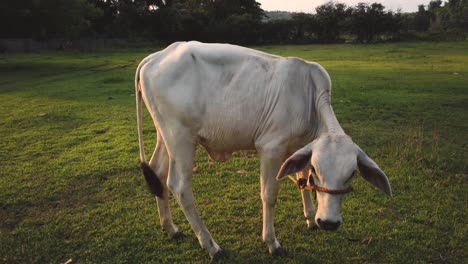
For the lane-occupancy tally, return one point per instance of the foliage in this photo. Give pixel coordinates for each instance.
(437, 18)
(333, 21)
(47, 18)
(234, 21)
(71, 187)
(368, 21)
(331, 18)
(422, 19)
(274, 15)
(453, 16)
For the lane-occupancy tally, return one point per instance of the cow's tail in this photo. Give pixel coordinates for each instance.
(154, 184)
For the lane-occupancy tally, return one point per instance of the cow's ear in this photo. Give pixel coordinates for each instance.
(297, 162)
(371, 172)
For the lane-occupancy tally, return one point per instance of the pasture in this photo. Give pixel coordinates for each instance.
(71, 187)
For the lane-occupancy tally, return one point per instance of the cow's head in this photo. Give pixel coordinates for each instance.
(334, 160)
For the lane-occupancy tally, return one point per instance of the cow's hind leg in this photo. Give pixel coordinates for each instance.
(308, 204)
(160, 164)
(181, 153)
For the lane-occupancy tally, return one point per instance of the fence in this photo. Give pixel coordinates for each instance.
(31, 45)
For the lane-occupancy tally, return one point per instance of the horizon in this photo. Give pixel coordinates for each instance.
(406, 6)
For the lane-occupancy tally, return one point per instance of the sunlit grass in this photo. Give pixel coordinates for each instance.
(70, 186)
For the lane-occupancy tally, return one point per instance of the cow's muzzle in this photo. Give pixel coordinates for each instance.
(328, 225)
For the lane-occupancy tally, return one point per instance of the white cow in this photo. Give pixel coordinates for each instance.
(228, 98)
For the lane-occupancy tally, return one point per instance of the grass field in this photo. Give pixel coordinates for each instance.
(71, 188)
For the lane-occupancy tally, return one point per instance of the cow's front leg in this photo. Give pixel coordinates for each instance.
(270, 162)
(308, 204)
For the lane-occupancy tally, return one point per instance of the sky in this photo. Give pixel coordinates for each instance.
(308, 6)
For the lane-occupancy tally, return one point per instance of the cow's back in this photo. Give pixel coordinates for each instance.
(230, 96)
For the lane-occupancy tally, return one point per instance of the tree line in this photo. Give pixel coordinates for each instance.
(234, 21)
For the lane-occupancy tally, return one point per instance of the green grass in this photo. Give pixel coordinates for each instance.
(70, 185)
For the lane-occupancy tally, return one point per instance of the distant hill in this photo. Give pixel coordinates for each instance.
(273, 15)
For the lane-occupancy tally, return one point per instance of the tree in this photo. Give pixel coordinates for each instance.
(331, 21)
(277, 31)
(16, 13)
(163, 20)
(422, 19)
(434, 5)
(302, 27)
(393, 25)
(47, 18)
(452, 17)
(458, 15)
(368, 21)
(235, 21)
(103, 25)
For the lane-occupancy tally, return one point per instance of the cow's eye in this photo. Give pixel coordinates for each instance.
(313, 175)
(312, 169)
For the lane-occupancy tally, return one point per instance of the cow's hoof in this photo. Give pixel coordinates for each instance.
(219, 255)
(178, 235)
(279, 252)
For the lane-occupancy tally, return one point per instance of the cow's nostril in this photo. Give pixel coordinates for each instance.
(328, 225)
(333, 225)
